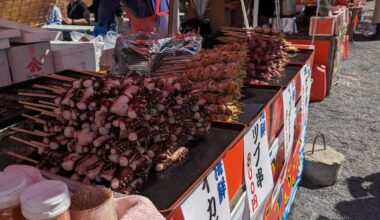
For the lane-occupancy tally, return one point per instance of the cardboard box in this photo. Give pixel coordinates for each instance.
(28, 60)
(107, 57)
(70, 55)
(5, 74)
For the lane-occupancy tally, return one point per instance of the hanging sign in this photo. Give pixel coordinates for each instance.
(290, 113)
(257, 168)
(210, 199)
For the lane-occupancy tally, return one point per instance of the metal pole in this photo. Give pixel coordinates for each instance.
(246, 23)
(173, 17)
(255, 13)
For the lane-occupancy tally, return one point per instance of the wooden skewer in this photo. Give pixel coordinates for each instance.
(36, 95)
(55, 90)
(37, 120)
(48, 103)
(58, 77)
(25, 142)
(43, 145)
(28, 132)
(37, 105)
(21, 157)
(44, 112)
(92, 74)
(41, 132)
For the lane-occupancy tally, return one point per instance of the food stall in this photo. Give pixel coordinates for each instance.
(198, 134)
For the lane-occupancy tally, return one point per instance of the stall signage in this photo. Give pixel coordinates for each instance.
(257, 169)
(290, 113)
(306, 88)
(209, 200)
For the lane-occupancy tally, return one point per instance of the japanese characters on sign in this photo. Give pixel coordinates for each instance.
(209, 200)
(257, 168)
(306, 87)
(290, 113)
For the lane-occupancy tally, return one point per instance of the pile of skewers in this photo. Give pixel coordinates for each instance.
(113, 130)
(218, 72)
(267, 52)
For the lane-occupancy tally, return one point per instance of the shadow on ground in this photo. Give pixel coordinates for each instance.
(366, 205)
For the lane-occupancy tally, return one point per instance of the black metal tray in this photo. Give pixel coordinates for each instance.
(165, 189)
(288, 74)
(168, 188)
(301, 56)
(11, 110)
(254, 100)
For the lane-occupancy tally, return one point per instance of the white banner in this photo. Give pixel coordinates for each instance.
(306, 88)
(290, 113)
(257, 167)
(209, 200)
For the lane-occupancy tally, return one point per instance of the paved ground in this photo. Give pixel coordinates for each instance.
(350, 120)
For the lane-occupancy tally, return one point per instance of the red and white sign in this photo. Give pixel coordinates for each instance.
(28, 60)
(290, 113)
(210, 199)
(257, 168)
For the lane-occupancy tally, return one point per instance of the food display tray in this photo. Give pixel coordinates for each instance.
(300, 57)
(255, 99)
(168, 188)
(11, 110)
(289, 73)
(165, 189)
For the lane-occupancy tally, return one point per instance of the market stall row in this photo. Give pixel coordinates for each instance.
(209, 172)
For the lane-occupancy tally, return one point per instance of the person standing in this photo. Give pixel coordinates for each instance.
(376, 19)
(78, 13)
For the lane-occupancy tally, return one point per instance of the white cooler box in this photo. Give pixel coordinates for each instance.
(71, 55)
(5, 74)
(29, 60)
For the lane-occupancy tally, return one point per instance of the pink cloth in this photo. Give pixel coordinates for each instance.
(136, 208)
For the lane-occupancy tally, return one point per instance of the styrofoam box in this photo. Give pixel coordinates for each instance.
(106, 58)
(5, 74)
(71, 55)
(28, 60)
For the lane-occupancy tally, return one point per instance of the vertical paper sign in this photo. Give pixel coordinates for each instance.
(306, 87)
(290, 113)
(257, 168)
(209, 200)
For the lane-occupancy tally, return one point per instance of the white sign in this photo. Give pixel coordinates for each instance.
(290, 113)
(209, 200)
(257, 167)
(306, 87)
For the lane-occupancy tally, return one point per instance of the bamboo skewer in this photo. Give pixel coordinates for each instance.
(92, 74)
(25, 142)
(37, 105)
(58, 77)
(36, 95)
(48, 103)
(29, 132)
(43, 145)
(37, 120)
(41, 132)
(21, 157)
(55, 90)
(44, 112)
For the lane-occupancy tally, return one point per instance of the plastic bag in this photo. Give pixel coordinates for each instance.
(201, 6)
(97, 41)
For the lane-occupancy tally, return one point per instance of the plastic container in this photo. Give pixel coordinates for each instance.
(46, 200)
(319, 87)
(31, 174)
(11, 186)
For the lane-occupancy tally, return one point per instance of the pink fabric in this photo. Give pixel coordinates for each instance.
(136, 208)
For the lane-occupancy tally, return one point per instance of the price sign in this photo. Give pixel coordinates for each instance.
(209, 200)
(257, 168)
(290, 113)
(306, 87)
